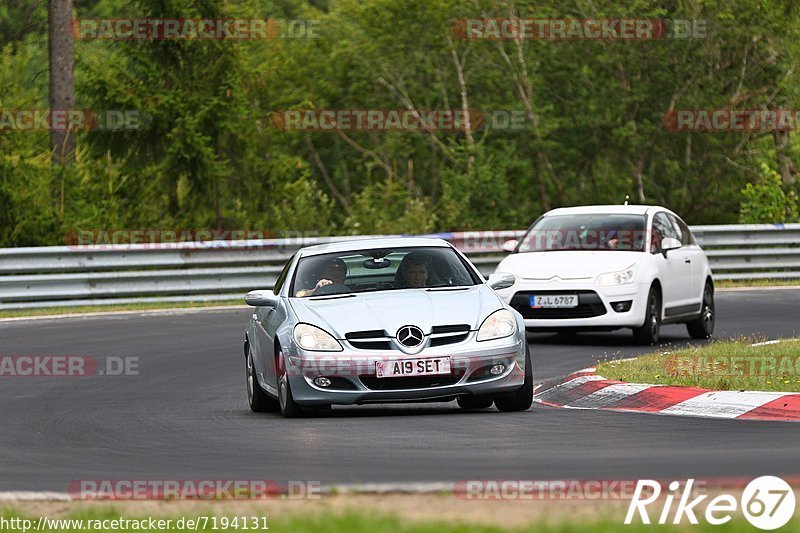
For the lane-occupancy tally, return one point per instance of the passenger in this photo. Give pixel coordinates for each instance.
(413, 272)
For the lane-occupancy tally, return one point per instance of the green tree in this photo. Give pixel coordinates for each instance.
(766, 201)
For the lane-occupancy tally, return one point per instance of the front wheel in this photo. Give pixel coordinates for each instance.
(523, 398)
(289, 408)
(649, 332)
(703, 326)
(259, 401)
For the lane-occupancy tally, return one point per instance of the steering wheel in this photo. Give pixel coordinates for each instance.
(333, 288)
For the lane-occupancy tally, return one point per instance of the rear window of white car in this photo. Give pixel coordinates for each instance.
(591, 232)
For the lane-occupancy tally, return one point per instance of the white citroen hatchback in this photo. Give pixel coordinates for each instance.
(607, 267)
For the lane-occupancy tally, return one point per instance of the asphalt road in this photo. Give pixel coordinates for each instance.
(185, 415)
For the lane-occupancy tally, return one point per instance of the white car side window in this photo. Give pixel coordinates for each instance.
(685, 233)
(662, 228)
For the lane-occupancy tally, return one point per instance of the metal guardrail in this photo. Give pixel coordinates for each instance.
(55, 276)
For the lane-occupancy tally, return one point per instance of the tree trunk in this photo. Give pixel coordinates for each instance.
(62, 77)
(540, 172)
(637, 179)
(217, 206)
(462, 84)
(788, 172)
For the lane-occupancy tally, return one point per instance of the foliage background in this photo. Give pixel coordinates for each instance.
(211, 157)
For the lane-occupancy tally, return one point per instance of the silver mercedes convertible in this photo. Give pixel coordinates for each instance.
(380, 321)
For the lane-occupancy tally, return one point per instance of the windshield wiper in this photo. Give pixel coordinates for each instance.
(332, 296)
(447, 288)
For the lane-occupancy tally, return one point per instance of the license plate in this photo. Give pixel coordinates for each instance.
(412, 367)
(554, 301)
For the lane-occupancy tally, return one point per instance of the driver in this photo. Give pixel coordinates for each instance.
(414, 271)
(334, 271)
(623, 238)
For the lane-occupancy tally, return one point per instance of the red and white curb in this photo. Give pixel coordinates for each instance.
(586, 390)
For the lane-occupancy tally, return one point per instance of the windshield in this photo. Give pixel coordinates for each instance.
(381, 270)
(586, 232)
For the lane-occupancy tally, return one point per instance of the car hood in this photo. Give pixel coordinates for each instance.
(390, 310)
(567, 264)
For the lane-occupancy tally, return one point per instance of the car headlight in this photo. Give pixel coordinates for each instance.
(623, 277)
(497, 325)
(314, 339)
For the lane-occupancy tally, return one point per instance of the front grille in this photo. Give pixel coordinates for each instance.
(375, 339)
(589, 305)
(451, 334)
(455, 328)
(370, 334)
(378, 339)
(372, 345)
(453, 339)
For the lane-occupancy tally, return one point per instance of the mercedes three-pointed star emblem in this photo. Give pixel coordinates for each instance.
(410, 336)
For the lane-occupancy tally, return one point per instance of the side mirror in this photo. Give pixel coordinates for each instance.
(670, 243)
(261, 297)
(510, 245)
(501, 280)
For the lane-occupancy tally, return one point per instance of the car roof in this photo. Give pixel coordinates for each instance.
(603, 209)
(362, 243)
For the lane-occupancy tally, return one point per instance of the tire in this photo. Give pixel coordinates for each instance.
(523, 398)
(649, 332)
(475, 402)
(703, 326)
(260, 401)
(289, 408)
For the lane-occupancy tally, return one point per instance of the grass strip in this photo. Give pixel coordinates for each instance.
(144, 306)
(736, 364)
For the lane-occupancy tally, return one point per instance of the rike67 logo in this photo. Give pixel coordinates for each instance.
(767, 502)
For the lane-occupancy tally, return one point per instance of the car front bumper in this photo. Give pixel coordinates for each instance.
(596, 304)
(353, 374)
